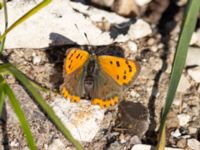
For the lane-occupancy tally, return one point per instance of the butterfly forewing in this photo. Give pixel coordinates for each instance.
(75, 59)
(121, 70)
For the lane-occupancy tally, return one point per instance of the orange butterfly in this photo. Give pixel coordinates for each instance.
(99, 78)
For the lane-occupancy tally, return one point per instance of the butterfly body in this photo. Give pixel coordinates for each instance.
(98, 78)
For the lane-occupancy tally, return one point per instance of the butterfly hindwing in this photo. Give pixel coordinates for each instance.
(74, 82)
(106, 90)
(105, 87)
(121, 70)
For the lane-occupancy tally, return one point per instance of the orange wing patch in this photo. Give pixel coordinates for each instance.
(121, 70)
(67, 95)
(75, 59)
(105, 103)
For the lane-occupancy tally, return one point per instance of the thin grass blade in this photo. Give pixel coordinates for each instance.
(26, 16)
(162, 139)
(2, 95)
(6, 25)
(187, 29)
(38, 98)
(21, 116)
(1, 4)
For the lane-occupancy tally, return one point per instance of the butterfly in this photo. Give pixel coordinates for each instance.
(100, 78)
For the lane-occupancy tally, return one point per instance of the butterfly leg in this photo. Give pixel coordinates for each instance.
(105, 103)
(67, 95)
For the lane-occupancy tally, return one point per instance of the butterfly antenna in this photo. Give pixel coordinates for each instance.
(86, 37)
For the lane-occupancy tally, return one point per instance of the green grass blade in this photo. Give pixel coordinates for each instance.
(188, 27)
(21, 116)
(6, 25)
(26, 16)
(1, 4)
(181, 52)
(2, 95)
(162, 139)
(37, 96)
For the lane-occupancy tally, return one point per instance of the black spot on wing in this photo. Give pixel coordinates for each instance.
(117, 77)
(117, 63)
(78, 56)
(71, 55)
(124, 77)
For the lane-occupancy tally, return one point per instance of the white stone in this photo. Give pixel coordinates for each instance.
(193, 56)
(183, 119)
(134, 94)
(132, 46)
(195, 38)
(195, 73)
(198, 90)
(36, 60)
(142, 2)
(107, 3)
(184, 84)
(82, 119)
(14, 143)
(177, 102)
(139, 29)
(149, 147)
(192, 130)
(176, 133)
(96, 15)
(56, 144)
(55, 25)
(194, 144)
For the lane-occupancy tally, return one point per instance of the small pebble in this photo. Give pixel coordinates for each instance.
(195, 73)
(182, 143)
(56, 144)
(183, 119)
(36, 60)
(194, 144)
(176, 133)
(132, 46)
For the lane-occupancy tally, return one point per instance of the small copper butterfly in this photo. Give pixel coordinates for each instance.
(100, 78)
